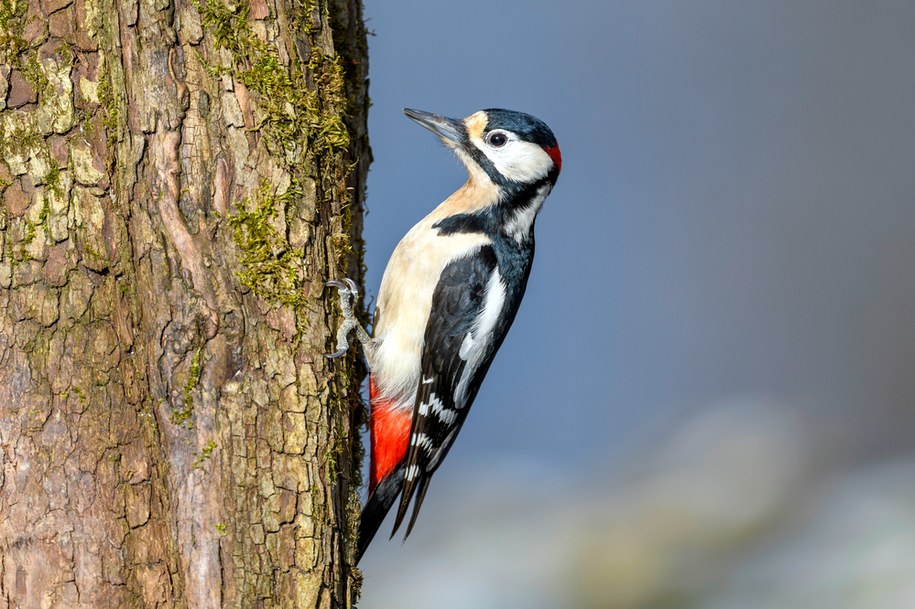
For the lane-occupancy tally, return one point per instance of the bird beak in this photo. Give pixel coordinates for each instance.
(450, 130)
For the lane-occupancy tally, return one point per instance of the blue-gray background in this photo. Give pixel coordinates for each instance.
(733, 233)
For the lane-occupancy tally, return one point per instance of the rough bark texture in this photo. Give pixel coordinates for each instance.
(179, 179)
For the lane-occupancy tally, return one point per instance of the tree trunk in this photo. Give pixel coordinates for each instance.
(179, 179)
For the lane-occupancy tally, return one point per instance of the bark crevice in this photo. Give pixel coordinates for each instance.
(170, 434)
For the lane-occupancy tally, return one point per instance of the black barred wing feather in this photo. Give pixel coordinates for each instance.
(466, 326)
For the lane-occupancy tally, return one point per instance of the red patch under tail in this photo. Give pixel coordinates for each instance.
(390, 436)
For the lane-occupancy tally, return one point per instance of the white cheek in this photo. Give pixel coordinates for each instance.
(520, 161)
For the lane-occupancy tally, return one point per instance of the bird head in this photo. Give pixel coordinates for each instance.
(505, 147)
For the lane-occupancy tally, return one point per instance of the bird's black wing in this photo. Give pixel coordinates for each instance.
(466, 326)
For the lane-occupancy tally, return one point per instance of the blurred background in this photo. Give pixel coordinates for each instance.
(708, 397)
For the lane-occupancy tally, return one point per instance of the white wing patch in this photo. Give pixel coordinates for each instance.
(481, 335)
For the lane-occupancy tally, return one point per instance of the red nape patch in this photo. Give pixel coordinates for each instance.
(554, 153)
(390, 436)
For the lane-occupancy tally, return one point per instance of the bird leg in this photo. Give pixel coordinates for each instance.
(348, 292)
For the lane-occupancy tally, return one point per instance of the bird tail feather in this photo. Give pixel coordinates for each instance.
(376, 508)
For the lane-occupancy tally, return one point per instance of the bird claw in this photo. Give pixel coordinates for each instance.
(336, 354)
(347, 290)
(347, 285)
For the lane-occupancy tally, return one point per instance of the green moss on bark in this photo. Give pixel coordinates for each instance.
(270, 269)
(300, 109)
(303, 123)
(12, 22)
(183, 415)
(110, 101)
(204, 454)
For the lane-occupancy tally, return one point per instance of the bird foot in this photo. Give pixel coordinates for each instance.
(348, 291)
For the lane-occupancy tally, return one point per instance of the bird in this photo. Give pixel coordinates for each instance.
(448, 296)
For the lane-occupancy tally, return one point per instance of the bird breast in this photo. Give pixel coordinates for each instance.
(405, 303)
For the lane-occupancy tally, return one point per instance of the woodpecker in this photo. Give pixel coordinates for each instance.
(448, 296)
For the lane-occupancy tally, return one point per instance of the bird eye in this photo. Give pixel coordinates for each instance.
(497, 139)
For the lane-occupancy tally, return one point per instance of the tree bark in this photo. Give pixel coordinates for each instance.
(179, 179)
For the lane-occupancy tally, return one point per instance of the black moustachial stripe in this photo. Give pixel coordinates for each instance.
(493, 220)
